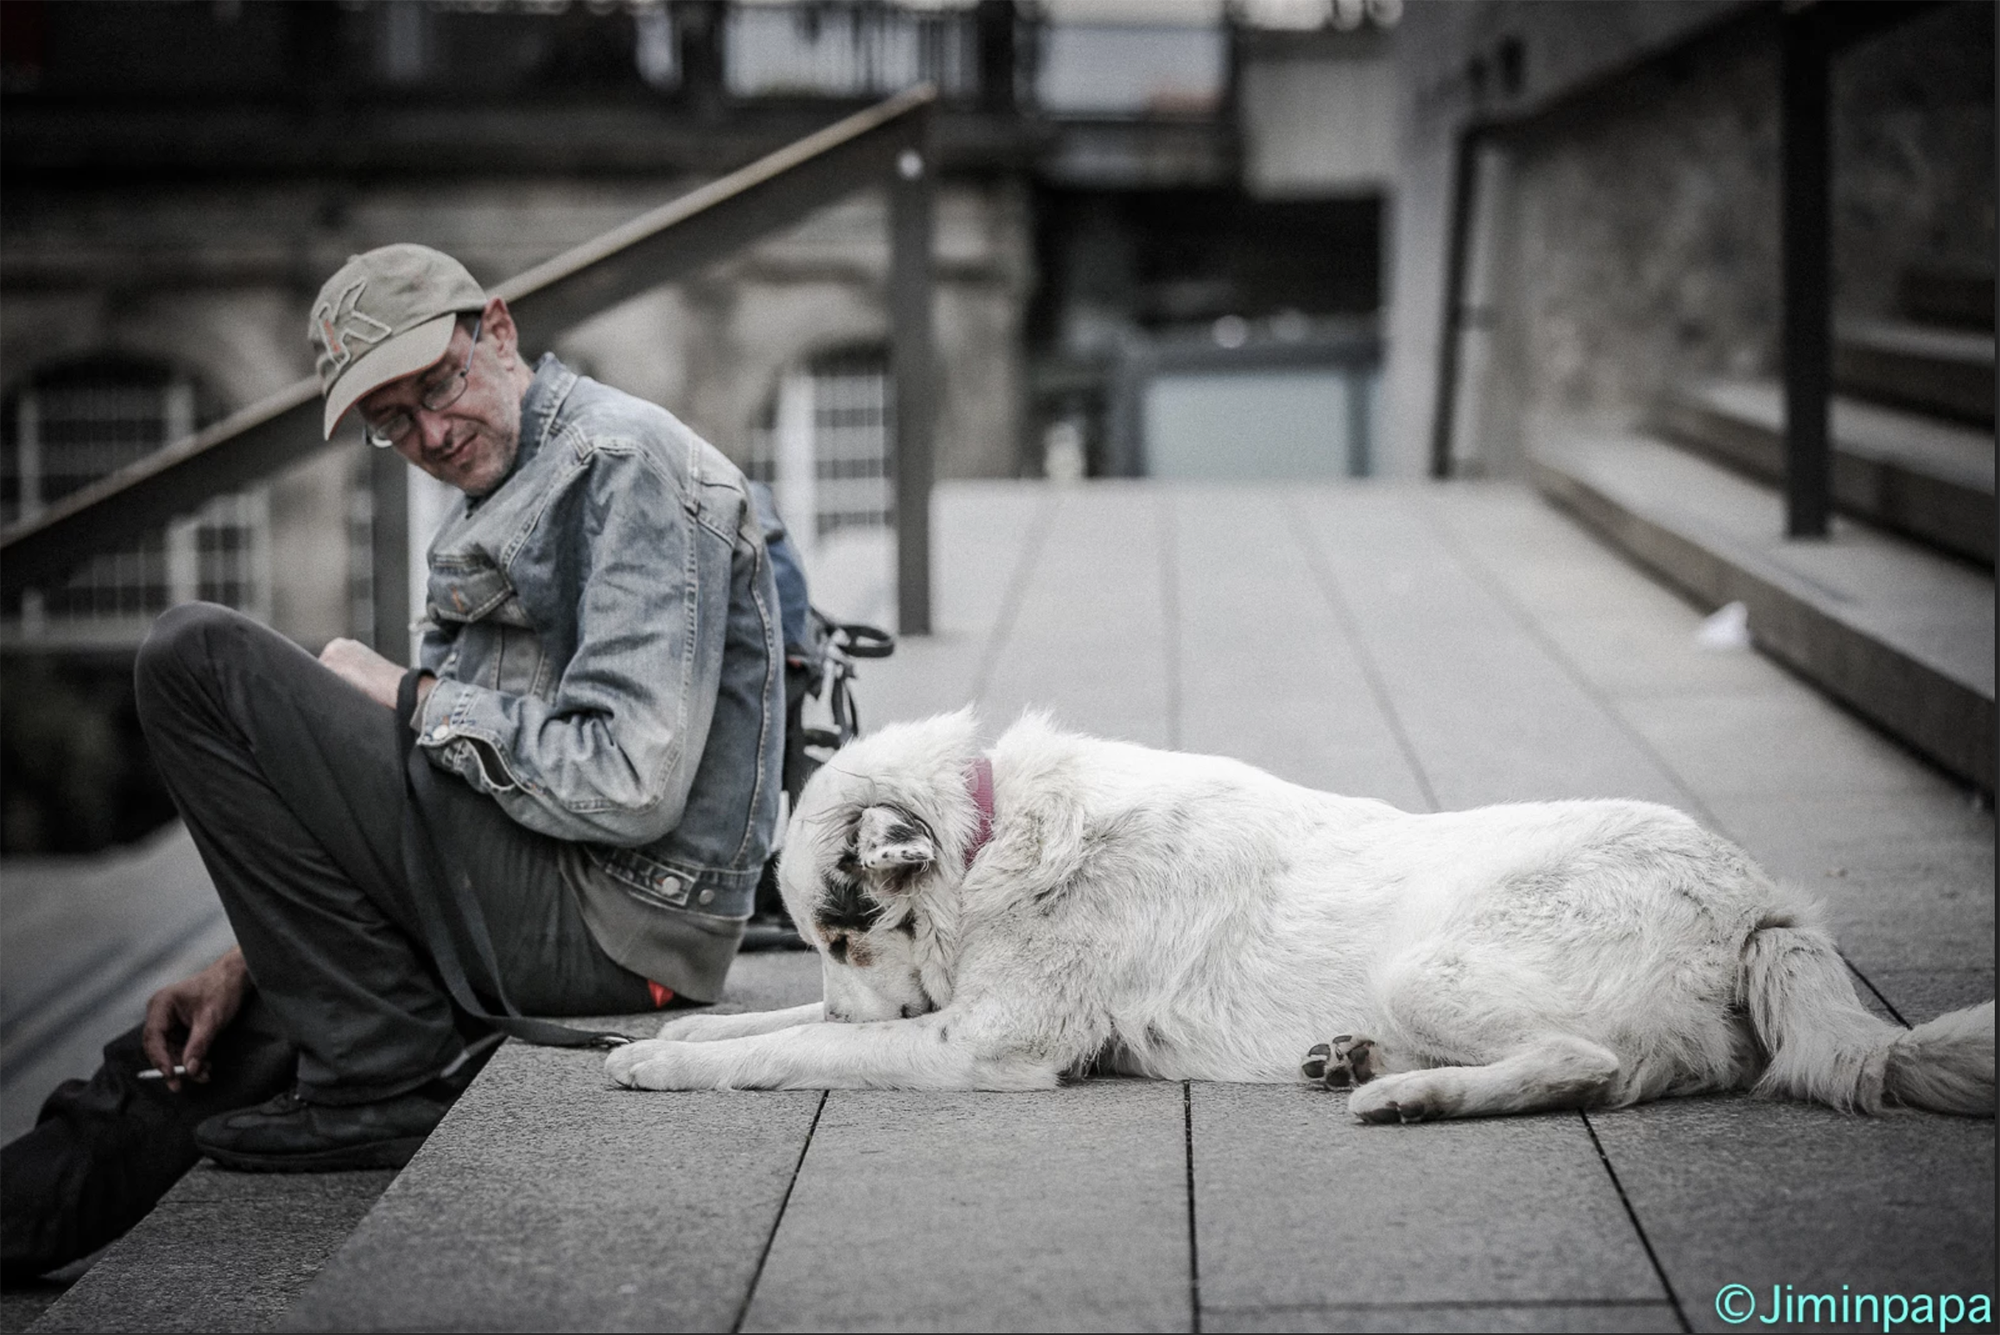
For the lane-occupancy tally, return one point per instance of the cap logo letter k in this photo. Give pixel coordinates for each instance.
(339, 323)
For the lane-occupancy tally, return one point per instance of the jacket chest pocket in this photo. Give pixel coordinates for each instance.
(497, 644)
(465, 590)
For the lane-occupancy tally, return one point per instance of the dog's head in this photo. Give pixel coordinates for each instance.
(871, 855)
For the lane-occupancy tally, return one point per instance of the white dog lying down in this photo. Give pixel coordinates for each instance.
(1065, 903)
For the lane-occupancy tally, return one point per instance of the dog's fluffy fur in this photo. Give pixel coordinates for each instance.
(1189, 917)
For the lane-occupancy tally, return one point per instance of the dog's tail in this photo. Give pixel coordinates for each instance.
(1824, 1046)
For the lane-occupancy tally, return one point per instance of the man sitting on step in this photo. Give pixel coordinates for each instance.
(563, 810)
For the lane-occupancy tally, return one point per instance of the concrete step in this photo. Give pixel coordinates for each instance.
(549, 1199)
(235, 1251)
(1902, 636)
(1927, 368)
(221, 1251)
(1960, 299)
(1924, 478)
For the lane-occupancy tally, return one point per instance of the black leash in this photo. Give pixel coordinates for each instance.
(431, 884)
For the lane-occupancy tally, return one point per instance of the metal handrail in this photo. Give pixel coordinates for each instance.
(870, 147)
(1807, 35)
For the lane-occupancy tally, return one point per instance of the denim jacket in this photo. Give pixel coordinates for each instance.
(604, 627)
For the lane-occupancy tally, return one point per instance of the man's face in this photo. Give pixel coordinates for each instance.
(471, 443)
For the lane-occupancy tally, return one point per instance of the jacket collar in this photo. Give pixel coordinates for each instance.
(540, 406)
(542, 403)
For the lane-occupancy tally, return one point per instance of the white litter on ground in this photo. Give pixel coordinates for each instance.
(1726, 629)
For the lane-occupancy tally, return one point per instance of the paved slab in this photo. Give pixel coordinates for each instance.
(1064, 1210)
(549, 1199)
(1301, 1210)
(1268, 670)
(1096, 603)
(1743, 1191)
(1605, 1317)
(1489, 710)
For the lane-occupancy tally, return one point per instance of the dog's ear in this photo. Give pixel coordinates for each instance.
(893, 847)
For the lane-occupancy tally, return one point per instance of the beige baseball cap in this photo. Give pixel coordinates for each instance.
(384, 315)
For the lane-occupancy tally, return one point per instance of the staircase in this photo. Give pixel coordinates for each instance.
(1892, 613)
(537, 1165)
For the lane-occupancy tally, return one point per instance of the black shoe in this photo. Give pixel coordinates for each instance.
(289, 1135)
(772, 931)
(770, 926)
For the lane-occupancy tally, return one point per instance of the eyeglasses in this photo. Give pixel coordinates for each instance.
(435, 398)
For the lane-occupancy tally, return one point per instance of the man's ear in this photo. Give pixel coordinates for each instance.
(498, 323)
(893, 846)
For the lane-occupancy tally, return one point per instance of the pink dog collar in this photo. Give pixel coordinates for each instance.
(979, 782)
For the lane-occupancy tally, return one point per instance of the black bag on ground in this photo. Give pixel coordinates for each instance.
(819, 667)
(819, 670)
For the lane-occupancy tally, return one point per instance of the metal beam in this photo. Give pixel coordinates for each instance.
(772, 193)
(1806, 228)
(1458, 253)
(911, 192)
(389, 584)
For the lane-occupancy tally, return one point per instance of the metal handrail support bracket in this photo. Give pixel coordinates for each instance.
(768, 195)
(1807, 280)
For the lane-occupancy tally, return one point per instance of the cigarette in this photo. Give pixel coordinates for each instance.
(153, 1073)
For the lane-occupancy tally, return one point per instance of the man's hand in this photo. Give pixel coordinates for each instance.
(189, 1014)
(368, 672)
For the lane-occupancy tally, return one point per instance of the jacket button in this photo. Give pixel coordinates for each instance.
(706, 896)
(440, 732)
(671, 884)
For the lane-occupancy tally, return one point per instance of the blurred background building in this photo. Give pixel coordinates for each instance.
(1263, 239)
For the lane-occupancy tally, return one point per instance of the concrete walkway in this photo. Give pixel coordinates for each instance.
(1435, 647)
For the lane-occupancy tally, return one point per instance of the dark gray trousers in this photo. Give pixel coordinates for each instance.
(291, 782)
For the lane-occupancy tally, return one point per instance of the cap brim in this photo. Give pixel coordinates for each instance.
(407, 353)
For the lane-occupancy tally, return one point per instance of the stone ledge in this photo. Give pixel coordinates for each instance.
(1903, 637)
(1929, 479)
(549, 1199)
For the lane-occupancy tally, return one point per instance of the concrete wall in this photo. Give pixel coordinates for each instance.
(218, 282)
(1450, 68)
(1630, 238)
(1914, 154)
(1645, 238)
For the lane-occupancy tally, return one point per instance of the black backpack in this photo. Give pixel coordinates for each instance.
(819, 667)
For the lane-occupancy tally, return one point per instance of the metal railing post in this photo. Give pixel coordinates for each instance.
(1807, 279)
(389, 537)
(1458, 250)
(911, 202)
(993, 26)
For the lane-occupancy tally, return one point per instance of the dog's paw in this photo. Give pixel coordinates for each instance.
(698, 1028)
(1343, 1061)
(1412, 1096)
(646, 1064)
